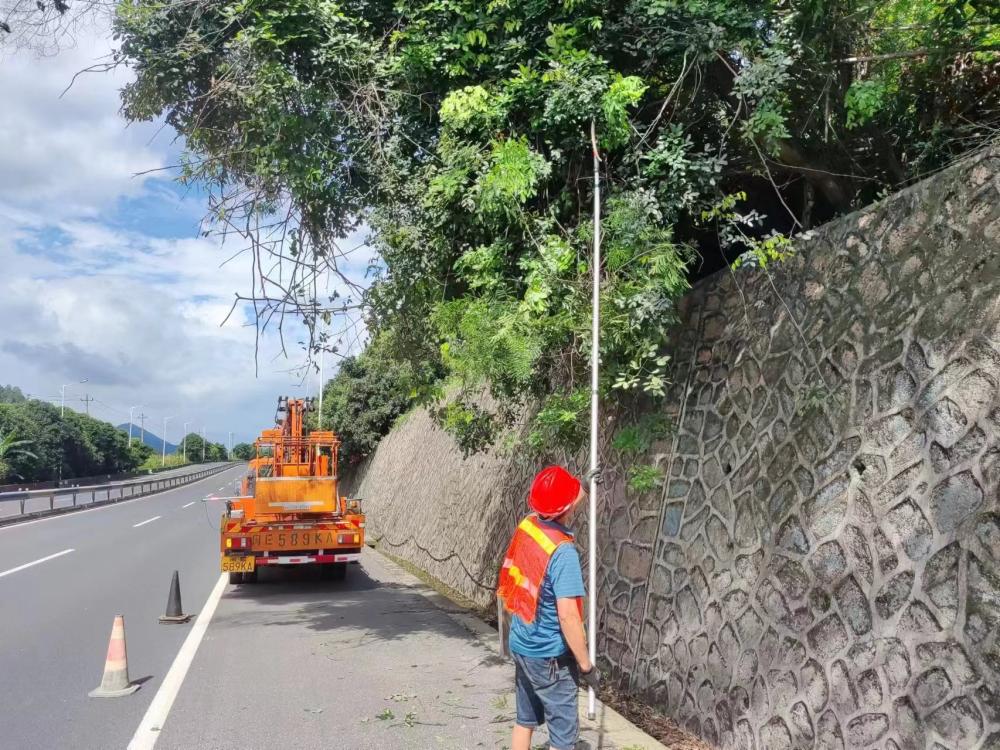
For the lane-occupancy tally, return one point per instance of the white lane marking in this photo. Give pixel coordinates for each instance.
(189, 504)
(143, 523)
(74, 514)
(156, 715)
(36, 562)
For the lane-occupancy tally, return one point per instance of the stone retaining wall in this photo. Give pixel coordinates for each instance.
(821, 567)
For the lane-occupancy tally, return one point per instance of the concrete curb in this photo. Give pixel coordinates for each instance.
(610, 726)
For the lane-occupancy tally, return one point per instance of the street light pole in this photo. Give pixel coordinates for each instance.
(203, 445)
(186, 441)
(230, 445)
(62, 416)
(163, 442)
(131, 411)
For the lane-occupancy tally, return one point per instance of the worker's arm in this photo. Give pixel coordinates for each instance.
(571, 625)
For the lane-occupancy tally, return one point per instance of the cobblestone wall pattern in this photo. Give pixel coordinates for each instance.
(822, 566)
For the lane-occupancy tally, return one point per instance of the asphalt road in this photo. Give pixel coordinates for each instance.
(368, 663)
(375, 662)
(56, 615)
(10, 508)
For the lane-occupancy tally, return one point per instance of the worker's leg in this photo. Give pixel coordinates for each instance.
(530, 713)
(559, 701)
(522, 738)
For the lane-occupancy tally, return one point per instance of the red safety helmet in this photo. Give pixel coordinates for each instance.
(553, 492)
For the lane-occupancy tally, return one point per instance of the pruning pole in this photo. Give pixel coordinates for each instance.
(595, 340)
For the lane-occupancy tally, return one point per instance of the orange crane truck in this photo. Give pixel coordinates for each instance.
(289, 511)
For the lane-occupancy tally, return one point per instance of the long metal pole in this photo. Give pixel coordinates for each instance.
(185, 449)
(163, 443)
(595, 348)
(203, 445)
(131, 410)
(319, 419)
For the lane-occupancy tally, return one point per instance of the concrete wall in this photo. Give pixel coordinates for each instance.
(821, 568)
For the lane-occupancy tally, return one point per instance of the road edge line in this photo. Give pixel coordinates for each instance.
(150, 727)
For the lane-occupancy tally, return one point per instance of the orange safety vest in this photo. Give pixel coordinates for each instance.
(525, 564)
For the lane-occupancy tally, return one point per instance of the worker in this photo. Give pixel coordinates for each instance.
(541, 585)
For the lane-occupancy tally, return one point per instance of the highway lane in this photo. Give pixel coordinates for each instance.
(64, 578)
(41, 502)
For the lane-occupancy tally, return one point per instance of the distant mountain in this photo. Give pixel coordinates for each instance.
(152, 440)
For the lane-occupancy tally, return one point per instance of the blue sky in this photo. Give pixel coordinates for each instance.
(106, 275)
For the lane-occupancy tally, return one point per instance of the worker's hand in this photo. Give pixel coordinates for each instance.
(591, 678)
(596, 475)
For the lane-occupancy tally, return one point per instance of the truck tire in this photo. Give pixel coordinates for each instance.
(235, 578)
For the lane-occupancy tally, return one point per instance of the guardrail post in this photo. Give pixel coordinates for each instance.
(74, 499)
(52, 501)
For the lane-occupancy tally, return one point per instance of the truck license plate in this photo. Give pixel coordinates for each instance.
(238, 564)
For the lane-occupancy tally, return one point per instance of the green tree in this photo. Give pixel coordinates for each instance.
(244, 451)
(11, 394)
(368, 393)
(460, 132)
(12, 448)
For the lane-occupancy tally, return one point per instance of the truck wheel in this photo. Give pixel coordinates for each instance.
(235, 578)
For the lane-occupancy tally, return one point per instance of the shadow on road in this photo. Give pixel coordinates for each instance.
(366, 607)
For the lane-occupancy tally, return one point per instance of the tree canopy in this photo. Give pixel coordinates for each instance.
(79, 444)
(460, 133)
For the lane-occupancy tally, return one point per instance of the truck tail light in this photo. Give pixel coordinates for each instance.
(237, 542)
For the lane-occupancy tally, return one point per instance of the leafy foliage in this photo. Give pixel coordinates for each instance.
(41, 441)
(643, 478)
(366, 396)
(198, 450)
(461, 133)
(243, 451)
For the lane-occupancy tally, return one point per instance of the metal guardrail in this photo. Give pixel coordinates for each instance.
(35, 503)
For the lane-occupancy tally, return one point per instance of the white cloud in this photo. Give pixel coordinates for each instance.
(71, 153)
(105, 274)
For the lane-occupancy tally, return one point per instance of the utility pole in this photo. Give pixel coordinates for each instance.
(142, 428)
(230, 445)
(86, 400)
(163, 442)
(62, 405)
(131, 411)
(185, 449)
(203, 445)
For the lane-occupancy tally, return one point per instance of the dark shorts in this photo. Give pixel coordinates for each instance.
(547, 694)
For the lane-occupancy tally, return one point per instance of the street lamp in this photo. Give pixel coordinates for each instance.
(230, 446)
(185, 449)
(163, 442)
(131, 411)
(62, 407)
(203, 445)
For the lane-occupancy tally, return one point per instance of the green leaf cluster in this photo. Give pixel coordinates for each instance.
(460, 133)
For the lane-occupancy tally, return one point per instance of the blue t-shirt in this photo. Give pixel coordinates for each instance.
(563, 579)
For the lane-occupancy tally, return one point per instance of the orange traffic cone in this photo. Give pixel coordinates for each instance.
(115, 682)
